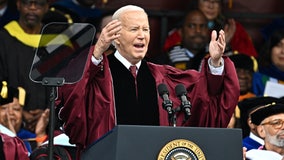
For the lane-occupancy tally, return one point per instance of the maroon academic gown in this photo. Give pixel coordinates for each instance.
(14, 148)
(89, 107)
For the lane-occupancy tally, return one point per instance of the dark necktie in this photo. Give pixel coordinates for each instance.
(133, 72)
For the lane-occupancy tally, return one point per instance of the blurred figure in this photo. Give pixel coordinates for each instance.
(11, 115)
(194, 43)
(271, 63)
(237, 38)
(80, 11)
(245, 67)
(269, 120)
(8, 12)
(62, 149)
(19, 40)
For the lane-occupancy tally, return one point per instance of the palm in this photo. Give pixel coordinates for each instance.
(217, 45)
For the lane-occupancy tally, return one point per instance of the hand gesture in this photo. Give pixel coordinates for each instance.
(109, 33)
(217, 47)
(230, 30)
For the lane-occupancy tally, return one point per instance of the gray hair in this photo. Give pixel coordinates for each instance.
(124, 9)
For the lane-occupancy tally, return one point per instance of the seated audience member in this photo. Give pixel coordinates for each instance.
(251, 138)
(245, 67)
(271, 64)
(237, 38)
(11, 115)
(19, 41)
(269, 120)
(193, 47)
(62, 149)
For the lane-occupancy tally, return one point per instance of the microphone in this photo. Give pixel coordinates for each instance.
(185, 104)
(164, 93)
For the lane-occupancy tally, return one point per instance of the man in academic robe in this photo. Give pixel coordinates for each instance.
(109, 95)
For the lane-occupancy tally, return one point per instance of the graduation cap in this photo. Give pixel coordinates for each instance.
(265, 111)
(7, 94)
(250, 104)
(244, 61)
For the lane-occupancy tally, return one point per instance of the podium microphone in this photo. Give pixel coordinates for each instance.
(185, 104)
(164, 93)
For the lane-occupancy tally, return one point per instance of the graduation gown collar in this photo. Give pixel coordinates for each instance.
(16, 31)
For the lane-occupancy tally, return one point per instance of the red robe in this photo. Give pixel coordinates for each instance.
(14, 148)
(240, 42)
(89, 107)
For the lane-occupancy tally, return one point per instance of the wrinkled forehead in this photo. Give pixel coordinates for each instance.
(134, 17)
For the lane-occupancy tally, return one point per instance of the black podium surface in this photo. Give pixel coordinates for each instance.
(128, 142)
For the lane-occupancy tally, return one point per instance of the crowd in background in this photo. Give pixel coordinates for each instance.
(260, 71)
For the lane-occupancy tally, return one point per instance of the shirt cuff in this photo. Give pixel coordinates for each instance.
(96, 61)
(216, 70)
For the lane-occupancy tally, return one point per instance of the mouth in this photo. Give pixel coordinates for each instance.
(139, 46)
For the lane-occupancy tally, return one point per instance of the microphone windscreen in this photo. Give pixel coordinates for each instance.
(180, 90)
(162, 89)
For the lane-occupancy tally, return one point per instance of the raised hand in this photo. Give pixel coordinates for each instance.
(217, 47)
(109, 33)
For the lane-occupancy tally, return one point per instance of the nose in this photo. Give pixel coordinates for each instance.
(141, 34)
(198, 28)
(10, 110)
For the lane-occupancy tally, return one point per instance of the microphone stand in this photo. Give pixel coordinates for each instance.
(53, 83)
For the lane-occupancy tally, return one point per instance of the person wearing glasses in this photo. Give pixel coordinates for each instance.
(19, 40)
(270, 126)
(251, 138)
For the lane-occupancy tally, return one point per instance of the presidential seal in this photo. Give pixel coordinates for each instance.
(181, 149)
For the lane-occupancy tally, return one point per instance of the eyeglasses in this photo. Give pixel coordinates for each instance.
(277, 124)
(36, 3)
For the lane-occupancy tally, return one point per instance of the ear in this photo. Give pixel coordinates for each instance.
(250, 124)
(261, 131)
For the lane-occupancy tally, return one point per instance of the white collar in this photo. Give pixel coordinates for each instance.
(124, 61)
(256, 138)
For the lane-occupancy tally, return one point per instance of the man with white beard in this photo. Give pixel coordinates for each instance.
(270, 126)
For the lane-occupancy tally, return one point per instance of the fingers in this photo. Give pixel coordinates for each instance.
(221, 38)
(213, 35)
(111, 31)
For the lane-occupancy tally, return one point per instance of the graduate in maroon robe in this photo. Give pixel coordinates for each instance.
(108, 94)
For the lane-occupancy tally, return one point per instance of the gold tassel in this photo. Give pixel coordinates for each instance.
(22, 96)
(255, 64)
(4, 90)
(230, 4)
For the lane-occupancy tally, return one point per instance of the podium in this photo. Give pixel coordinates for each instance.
(128, 142)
